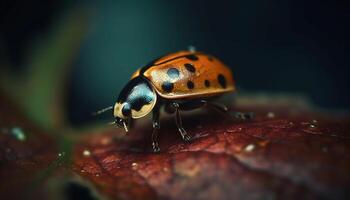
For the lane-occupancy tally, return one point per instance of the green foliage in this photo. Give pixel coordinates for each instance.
(41, 91)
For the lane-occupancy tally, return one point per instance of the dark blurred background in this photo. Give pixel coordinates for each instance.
(279, 46)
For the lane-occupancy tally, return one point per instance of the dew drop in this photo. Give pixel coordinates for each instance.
(249, 148)
(97, 175)
(134, 166)
(312, 126)
(86, 153)
(61, 154)
(18, 133)
(270, 115)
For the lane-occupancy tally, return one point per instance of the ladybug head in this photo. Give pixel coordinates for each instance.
(136, 100)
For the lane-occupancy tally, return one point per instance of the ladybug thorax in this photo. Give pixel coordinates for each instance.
(136, 100)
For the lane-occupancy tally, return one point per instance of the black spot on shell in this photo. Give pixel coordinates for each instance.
(173, 73)
(210, 59)
(167, 86)
(192, 57)
(190, 67)
(207, 83)
(222, 80)
(190, 84)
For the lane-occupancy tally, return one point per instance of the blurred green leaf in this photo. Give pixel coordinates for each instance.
(41, 91)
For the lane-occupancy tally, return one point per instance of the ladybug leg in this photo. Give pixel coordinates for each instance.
(185, 136)
(156, 127)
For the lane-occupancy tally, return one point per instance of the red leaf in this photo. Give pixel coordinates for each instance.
(280, 154)
(283, 153)
(26, 153)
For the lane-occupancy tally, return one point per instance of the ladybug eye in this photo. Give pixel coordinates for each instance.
(126, 110)
(119, 122)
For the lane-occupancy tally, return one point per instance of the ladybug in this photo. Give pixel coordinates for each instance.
(178, 81)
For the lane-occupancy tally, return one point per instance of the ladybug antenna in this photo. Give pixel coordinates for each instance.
(102, 110)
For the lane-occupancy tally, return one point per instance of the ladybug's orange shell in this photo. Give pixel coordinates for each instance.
(186, 75)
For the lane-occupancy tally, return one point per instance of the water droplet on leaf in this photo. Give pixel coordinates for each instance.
(86, 153)
(61, 154)
(312, 126)
(18, 133)
(134, 166)
(249, 148)
(270, 115)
